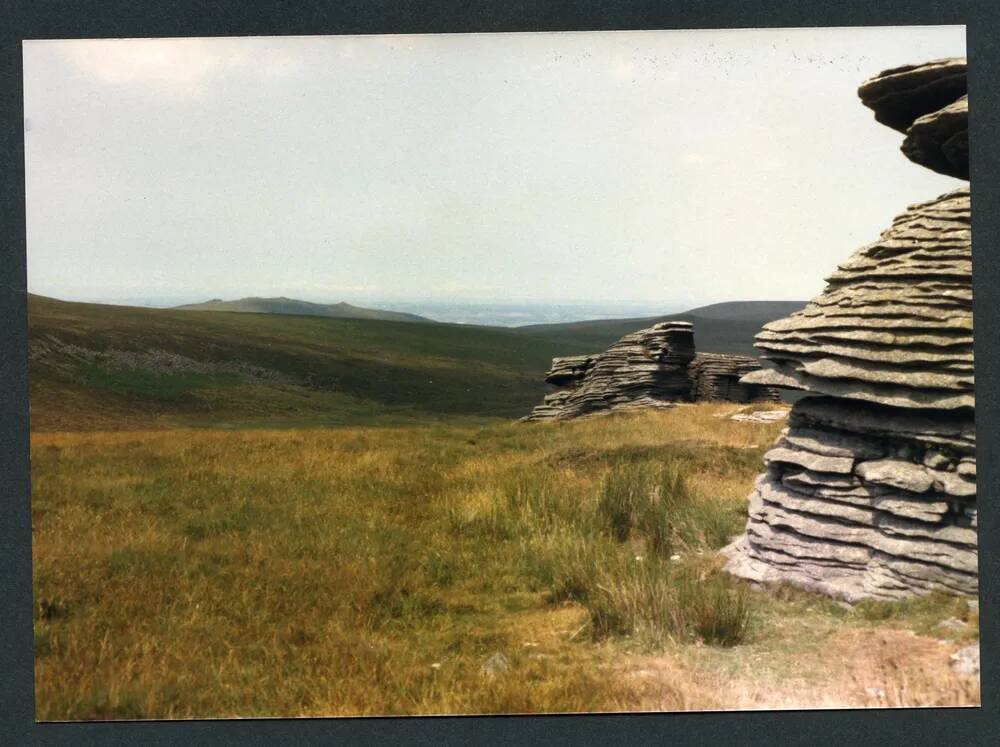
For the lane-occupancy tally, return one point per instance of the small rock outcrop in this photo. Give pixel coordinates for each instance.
(716, 376)
(871, 490)
(650, 368)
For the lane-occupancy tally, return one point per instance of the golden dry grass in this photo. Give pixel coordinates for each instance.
(199, 573)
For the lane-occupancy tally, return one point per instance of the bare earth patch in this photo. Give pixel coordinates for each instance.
(822, 667)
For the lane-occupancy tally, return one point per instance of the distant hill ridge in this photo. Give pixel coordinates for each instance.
(283, 305)
(727, 327)
(743, 310)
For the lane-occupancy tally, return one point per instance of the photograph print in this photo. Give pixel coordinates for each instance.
(501, 373)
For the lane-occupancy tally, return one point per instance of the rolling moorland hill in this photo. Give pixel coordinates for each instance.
(100, 366)
(282, 305)
(727, 327)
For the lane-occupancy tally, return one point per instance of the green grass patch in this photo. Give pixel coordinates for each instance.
(152, 384)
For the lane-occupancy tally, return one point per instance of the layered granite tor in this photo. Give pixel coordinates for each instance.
(871, 490)
(652, 368)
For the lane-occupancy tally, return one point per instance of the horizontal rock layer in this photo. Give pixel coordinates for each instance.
(902, 94)
(940, 140)
(881, 529)
(894, 325)
(930, 105)
(716, 377)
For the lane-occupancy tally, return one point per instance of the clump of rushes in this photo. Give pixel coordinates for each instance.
(643, 595)
(715, 610)
(645, 599)
(643, 499)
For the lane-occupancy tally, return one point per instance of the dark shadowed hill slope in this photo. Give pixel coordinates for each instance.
(766, 310)
(719, 328)
(282, 305)
(100, 366)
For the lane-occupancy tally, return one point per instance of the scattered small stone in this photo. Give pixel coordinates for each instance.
(494, 666)
(965, 661)
(953, 623)
(845, 606)
(875, 692)
(973, 605)
(529, 644)
(764, 416)
(436, 665)
(675, 558)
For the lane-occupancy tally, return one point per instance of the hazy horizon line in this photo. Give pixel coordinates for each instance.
(156, 300)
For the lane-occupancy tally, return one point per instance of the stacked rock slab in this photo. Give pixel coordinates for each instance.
(716, 376)
(643, 369)
(929, 104)
(654, 367)
(871, 490)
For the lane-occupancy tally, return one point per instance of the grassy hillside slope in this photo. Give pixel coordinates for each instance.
(96, 366)
(282, 305)
(719, 328)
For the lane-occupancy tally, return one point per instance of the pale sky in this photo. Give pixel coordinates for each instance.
(661, 167)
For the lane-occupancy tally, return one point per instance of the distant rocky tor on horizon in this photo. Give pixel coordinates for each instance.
(653, 367)
(871, 490)
(282, 305)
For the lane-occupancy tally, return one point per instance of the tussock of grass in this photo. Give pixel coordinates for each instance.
(717, 610)
(655, 606)
(612, 551)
